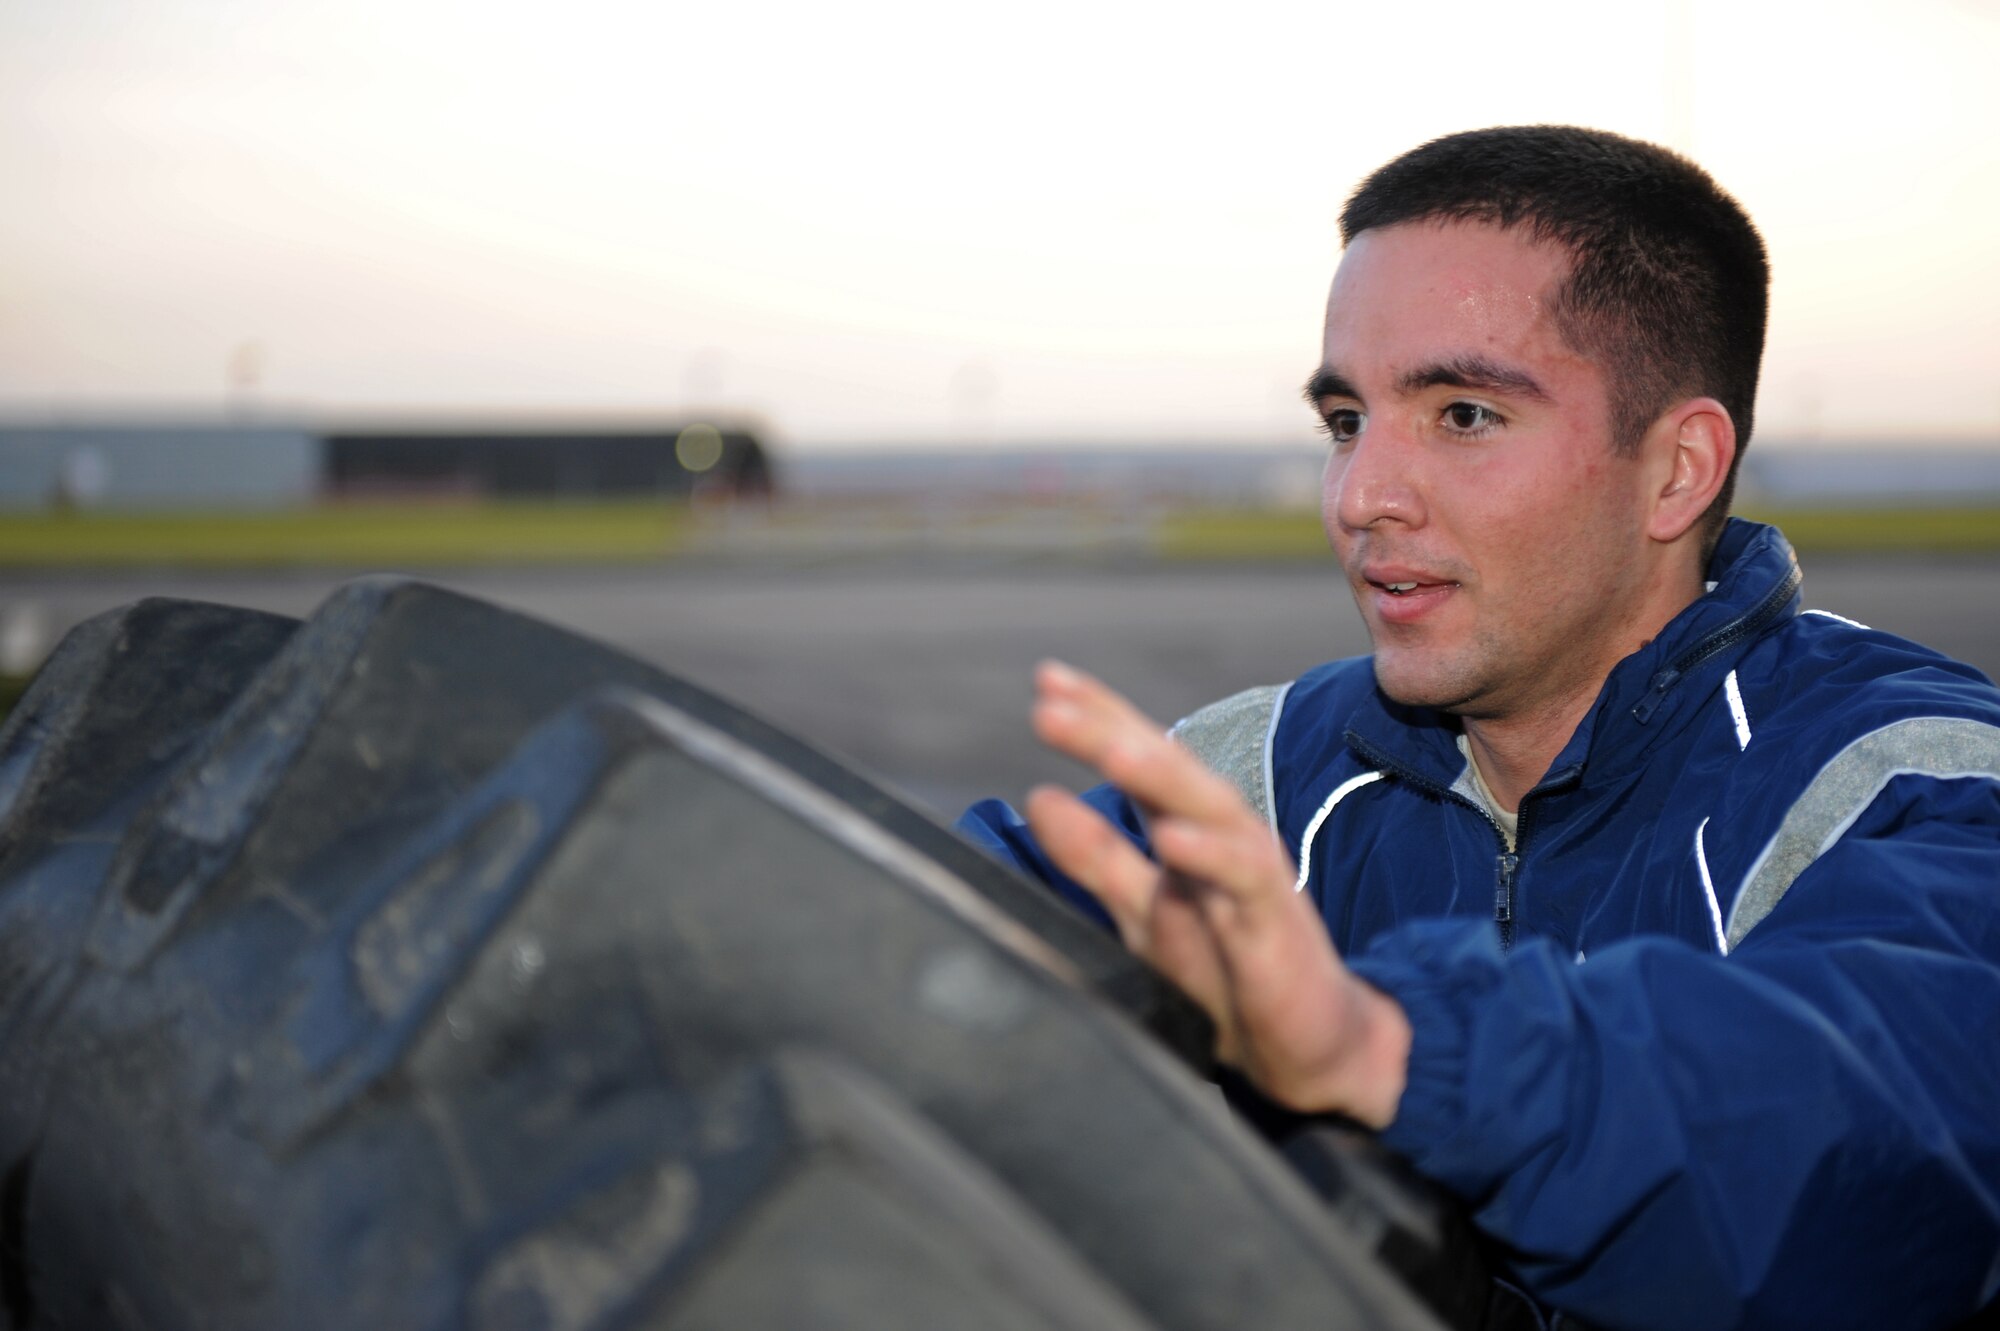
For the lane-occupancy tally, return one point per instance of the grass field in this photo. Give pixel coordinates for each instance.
(1244, 534)
(357, 535)
(1943, 530)
(408, 535)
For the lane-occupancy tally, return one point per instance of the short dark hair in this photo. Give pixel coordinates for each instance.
(1668, 283)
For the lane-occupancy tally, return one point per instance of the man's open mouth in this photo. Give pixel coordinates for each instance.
(1404, 588)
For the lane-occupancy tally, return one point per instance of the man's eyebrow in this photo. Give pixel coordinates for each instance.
(1474, 372)
(1328, 382)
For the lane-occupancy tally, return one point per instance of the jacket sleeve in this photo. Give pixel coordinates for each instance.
(1805, 1132)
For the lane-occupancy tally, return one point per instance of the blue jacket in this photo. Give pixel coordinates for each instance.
(1719, 1043)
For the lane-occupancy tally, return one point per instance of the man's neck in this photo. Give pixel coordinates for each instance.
(1514, 751)
(1513, 754)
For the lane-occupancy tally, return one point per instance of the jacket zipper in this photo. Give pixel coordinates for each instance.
(1751, 621)
(1507, 873)
(1507, 867)
(1503, 897)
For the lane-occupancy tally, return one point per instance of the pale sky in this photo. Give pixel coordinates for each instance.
(883, 221)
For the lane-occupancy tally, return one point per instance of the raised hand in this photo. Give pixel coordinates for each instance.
(1217, 913)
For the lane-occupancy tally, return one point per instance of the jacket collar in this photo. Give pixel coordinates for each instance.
(1754, 580)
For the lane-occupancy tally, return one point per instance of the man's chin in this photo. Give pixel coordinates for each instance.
(1410, 689)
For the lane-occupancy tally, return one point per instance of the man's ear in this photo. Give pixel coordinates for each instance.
(1690, 448)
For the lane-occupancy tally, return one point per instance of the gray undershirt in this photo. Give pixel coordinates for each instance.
(1473, 785)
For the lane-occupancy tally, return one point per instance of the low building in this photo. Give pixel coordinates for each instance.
(157, 466)
(223, 465)
(521, 462)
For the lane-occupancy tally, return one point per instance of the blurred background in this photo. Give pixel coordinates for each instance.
(850, 358)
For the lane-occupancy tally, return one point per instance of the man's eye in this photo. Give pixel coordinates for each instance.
(1470, 417)
(1343, 425)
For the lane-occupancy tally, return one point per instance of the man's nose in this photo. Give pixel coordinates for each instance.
(1371, 480)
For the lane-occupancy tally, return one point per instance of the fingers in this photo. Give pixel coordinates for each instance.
(1076, 715)
(1200, 825)
(1184, 948)
(1160, 921)
(1081, 717)
(1059, 680)
(1246, 871)
(1217, 913)
(1092, 852)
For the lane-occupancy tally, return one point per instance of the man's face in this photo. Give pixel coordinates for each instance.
(1493, 540)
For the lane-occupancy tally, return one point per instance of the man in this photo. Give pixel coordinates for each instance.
(1656, 918)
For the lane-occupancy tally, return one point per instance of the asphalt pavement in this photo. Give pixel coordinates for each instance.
(920, 674)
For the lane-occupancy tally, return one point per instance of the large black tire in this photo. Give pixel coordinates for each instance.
(424, 965)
